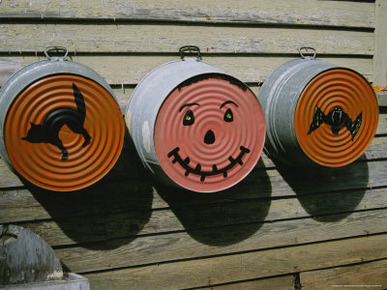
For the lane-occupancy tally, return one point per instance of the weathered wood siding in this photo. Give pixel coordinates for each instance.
(279, 228)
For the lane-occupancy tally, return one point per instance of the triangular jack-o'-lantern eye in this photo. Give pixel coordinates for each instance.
(189, 118)
(228, 116)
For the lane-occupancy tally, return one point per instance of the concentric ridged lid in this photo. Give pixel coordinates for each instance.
(209, 133)
(64, 132)
(336, 117)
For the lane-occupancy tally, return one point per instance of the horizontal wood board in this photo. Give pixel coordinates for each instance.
(120, 38)
(298, 12)
(364, 275)
(129, 70)
(204, 272)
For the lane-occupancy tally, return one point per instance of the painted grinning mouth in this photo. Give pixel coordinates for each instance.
(203, 174)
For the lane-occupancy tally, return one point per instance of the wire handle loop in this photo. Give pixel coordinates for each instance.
(190, 49)
(307, 48)
(57, 48)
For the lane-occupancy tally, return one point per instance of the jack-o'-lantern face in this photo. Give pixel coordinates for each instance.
(209, 133)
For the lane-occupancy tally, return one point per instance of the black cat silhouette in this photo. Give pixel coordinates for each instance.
(48, 132)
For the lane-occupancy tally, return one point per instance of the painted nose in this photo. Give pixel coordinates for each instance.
(209, 138)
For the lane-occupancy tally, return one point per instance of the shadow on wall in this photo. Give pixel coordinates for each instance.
(226, 217)
(328, 194)
(107, 214)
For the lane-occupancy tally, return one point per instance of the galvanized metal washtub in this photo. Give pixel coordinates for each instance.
(61, 126)
(195, 126)
(317, 113)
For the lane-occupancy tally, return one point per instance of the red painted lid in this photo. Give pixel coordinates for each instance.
(209, 133)
(67, 109)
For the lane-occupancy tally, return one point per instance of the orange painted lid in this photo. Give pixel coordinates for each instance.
(336, 117)
(209, 133)
(64, 132)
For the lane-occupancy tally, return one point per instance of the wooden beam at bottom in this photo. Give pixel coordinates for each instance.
(281, 282)
(244, 266)
(371, 275)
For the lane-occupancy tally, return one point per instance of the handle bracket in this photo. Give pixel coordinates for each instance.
(57, 48)
(190, 49)
(307, 48)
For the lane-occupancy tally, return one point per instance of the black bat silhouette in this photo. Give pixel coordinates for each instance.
(337, 119)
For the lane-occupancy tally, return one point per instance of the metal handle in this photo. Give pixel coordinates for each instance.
(307, 48)
(56, 48)
(190, 48)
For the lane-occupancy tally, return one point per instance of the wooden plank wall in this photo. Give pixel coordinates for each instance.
(278, 229)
